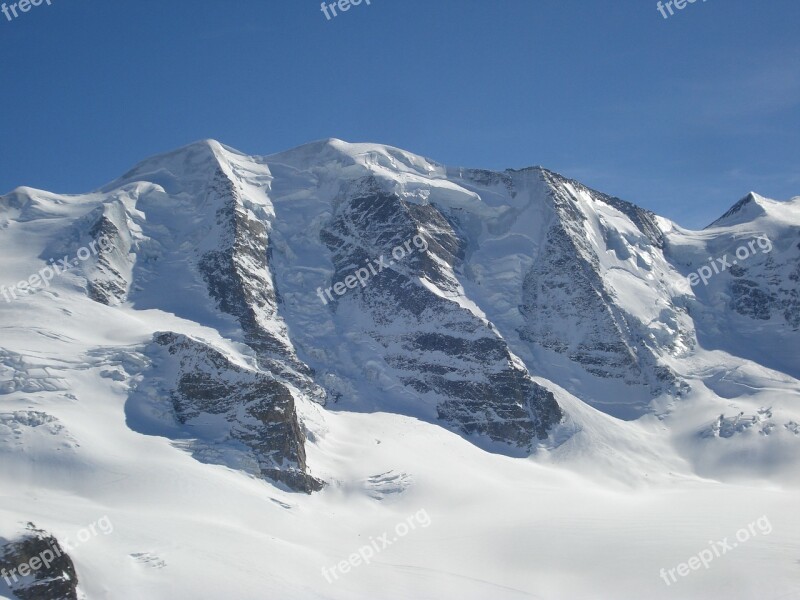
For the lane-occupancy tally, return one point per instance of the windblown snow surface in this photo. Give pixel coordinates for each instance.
(640, 474)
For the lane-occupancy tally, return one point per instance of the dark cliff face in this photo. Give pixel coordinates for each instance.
(770, 293)
(228, 405)
(441, 351)
(237, 273)
(568, 307)
(240, 281)
(54, 579)
(106, 284)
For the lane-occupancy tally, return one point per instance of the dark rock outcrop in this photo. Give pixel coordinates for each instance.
(461, 364)
(35, 567)
(229, 405)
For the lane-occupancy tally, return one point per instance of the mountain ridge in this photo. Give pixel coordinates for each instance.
(526, 274)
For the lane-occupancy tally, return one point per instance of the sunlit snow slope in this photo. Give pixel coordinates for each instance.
(244, 374)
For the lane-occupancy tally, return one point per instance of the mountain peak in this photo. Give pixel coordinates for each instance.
(193, 162)
(747, 209)
(370, 157)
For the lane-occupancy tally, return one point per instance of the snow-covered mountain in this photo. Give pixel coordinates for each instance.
(213, 330)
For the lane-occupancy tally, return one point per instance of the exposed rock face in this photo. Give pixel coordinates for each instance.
(225, 402)
(569, 308)
(443, 351)
(749, 300)
(48, 572)
(239, 279)
(99, 247)
(107, 282)
(773, 291)
(236, 272)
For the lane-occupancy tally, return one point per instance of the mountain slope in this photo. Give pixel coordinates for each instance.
(213, 332)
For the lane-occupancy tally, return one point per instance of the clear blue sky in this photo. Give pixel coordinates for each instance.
(682, 115)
